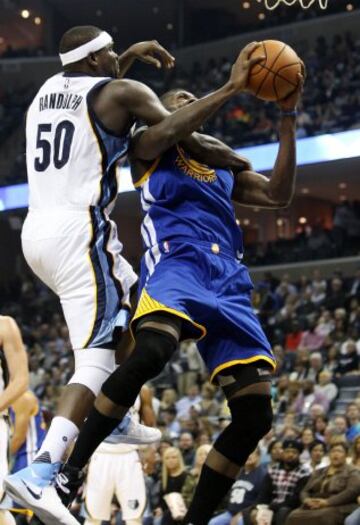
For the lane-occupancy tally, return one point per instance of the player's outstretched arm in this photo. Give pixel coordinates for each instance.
(254, 189)
(16, 359)
(175, 127)
(150, 52)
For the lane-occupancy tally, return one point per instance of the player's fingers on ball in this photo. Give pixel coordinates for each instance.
(256, 60)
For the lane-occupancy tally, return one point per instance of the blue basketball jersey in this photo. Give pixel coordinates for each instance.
(192, 262)
(34, 437)
(182, 198)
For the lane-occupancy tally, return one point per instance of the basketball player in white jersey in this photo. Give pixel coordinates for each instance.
(115, 470)
(14, 381)
(78, 129)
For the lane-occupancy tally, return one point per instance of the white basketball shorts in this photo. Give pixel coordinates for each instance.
(77, 254)
(115, 474)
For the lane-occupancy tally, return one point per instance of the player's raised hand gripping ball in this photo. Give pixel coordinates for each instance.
(239, 76)
(277, 75)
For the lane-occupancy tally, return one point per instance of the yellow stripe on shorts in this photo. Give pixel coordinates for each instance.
(148, 305)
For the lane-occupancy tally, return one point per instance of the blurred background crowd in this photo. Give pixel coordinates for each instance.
(314, 327)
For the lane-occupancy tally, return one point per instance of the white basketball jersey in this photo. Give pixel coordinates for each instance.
(71, 158)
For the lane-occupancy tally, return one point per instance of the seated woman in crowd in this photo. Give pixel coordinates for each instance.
(173, 478)
(330, 493)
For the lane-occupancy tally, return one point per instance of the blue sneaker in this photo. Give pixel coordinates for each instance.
(32, 488)
(133, 433)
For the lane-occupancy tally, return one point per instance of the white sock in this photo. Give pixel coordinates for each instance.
(6, 518)
(60, 436)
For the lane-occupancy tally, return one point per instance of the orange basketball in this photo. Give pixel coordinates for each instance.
(275, 77)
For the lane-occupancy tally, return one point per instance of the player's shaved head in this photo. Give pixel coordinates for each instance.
(176, 98)
(77, 36)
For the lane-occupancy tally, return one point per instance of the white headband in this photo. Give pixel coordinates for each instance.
(102, 40)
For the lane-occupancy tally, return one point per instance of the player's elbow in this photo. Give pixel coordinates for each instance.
(154, 144)
(20, 384)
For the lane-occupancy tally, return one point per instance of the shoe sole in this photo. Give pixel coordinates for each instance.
(123, 440)
(41, 513)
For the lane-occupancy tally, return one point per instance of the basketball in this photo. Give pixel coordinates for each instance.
(275, 77)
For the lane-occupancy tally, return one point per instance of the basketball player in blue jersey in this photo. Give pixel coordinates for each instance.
(28, 433)
(14, 381)
(194, 285)
(77, 131)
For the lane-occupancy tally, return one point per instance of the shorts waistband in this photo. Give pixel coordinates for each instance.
(212, 247)
(65, 209)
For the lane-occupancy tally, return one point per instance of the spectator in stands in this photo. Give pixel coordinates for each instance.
(320, 424)
(173, 478)
(307, 437)
(293, 337)
(326, 387)
(317, 459)
(316, 366)
(244, 491)
(308, 397)
(208, 404)
(282, 485)
(168, 398)
(185, 403)
(353, 418)
(192, 479)
(151, 467)
(311, 339)
(186, 446)
(356, 452)
(172, 425)
(348, 361)
(275, 452)
(331, 492)
(336, 297)
(332, 358)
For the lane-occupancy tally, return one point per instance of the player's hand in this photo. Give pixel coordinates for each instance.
(152, 53)
(291, 102)
(241, 68)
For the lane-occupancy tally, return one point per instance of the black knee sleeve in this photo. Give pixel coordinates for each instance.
(251, 420)
(153, 349)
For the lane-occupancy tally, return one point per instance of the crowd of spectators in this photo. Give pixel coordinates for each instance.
(314, 328)
(331, 98)
(313, 241)
(331, 101)
(13, 104)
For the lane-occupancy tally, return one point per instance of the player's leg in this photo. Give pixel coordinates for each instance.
(100, 487)
(156, 339)
(130, 488)
(251, 412)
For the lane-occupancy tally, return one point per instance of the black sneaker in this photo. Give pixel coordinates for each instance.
(68, 482)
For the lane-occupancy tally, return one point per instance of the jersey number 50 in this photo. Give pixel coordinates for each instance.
(63, 137)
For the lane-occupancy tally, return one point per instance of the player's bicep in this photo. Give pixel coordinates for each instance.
(141, 101)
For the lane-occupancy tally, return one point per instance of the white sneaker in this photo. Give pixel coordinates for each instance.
(133, 433)
(30, 487)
